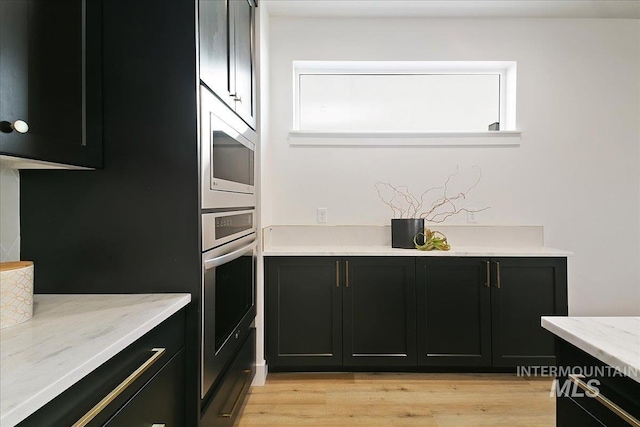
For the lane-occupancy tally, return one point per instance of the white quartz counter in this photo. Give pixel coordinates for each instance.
(68, 337)
(461, 251)
(467, 241)
(612, 340)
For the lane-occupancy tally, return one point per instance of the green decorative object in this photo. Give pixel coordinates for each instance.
(433, 241)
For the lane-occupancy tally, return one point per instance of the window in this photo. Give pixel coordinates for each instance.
(397, 97)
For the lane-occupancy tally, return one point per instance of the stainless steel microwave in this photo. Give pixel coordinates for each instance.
(228, 146)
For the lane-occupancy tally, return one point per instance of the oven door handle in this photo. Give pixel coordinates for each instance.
(217, 261)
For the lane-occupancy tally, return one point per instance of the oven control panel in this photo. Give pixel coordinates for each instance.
(223, 227)
(226, 226)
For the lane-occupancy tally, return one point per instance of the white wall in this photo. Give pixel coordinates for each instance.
(576, 172)
(9, 214)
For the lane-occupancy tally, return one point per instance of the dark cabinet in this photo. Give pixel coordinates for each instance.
(144, 408)
(379, 311)
(227, 53)
(486, 312)
(326, 311)
(303, 311)
(142, 385)
(593, 393)
(51, 81)
(454, 312)
(523, 290)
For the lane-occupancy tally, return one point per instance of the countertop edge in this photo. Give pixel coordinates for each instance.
(589, 348)
(19, 413)
(376, 251)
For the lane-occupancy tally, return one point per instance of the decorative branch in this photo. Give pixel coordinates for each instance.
(404, 204)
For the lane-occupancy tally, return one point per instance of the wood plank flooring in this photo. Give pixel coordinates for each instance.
(399, 399)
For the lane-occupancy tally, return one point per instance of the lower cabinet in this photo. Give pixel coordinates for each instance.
(454, 312)
(381, 312)
(486, 311)
(141, 386)
(224, 406)
(611, 399)
(331, 312)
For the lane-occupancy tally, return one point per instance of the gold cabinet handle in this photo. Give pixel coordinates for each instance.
(488, 282)
(337, 274)
(228, 414)
(93, 412)
(630, 419)
(346, 271)
(498, 284)
(158, 425)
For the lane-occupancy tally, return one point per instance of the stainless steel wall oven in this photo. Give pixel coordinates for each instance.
(229, 289)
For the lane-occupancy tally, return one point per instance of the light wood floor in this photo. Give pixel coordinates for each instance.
(389, 399)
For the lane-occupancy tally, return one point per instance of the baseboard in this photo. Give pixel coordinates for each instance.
(261, 374)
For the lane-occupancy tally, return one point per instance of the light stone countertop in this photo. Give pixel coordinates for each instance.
(67, 338)
(459, 251)
(612, 340)
(466, 241)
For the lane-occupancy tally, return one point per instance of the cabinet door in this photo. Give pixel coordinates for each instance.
(159, 402)
(50, 78)
(454, 312)
(244, 60)
(523, 290)
(379, 312)
(303, 313)
(215, 60)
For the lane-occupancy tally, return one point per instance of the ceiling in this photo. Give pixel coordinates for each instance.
(456, 8)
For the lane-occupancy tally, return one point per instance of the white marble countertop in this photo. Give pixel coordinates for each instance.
(466, 241)
(612, 340)
(67, 338)
(373, 250)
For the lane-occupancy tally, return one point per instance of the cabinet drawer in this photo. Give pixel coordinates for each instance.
(227, 399)
(79, 399)
(160, 401)
(621, 391)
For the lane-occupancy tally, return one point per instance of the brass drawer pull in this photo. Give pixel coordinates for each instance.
(630, 419)
(498, 284)
(157, 353)
(337, 274)
(346, 271)
(228, 414)
(488, 282)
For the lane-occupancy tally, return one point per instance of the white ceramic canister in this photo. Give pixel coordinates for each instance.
(16, 292)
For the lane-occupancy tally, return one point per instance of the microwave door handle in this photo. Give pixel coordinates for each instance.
(219, 260)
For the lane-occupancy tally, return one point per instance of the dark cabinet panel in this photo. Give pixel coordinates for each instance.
(160, 401)
(214, 47)
(454, 317)
(570, 414)
(244, 77)
(523, 290)
(379, 312)
(615, 402)
(51, 79)
(304, 311)
(226, 402)
(227, 53)
(165, 385)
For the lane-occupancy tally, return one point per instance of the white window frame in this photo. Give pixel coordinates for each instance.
(505, 69)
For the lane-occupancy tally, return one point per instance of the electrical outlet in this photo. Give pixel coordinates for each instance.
(322, 215)
(472, 216)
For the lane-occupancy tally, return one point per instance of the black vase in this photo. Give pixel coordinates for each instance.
(404, 230)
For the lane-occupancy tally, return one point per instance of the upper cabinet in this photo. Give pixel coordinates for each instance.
(51, 81)
(227, 53)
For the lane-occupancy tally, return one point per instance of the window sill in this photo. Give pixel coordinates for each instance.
(435, 139)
